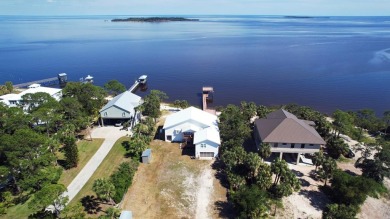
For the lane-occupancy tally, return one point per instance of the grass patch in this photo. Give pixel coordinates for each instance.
(86, 150)
(106, 168)
(17, 211)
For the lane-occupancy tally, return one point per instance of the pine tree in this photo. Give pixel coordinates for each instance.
(71, 152)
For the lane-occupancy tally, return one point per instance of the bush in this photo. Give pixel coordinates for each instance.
(353, 190)
(122, 178)
(335, 211)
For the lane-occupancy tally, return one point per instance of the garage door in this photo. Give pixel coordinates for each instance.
(206, 154)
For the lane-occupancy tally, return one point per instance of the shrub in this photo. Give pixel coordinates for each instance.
(122, 178)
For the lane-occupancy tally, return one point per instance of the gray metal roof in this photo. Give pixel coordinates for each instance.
(126, 101)
(146, 153)
(284, 127)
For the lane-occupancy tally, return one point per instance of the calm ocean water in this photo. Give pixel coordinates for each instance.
(326, 63)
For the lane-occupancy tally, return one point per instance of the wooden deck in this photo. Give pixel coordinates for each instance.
(205, 95)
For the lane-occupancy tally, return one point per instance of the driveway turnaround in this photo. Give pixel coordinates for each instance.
(111, 135)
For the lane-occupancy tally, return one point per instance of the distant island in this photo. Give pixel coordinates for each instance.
(153, 19)
(302, 17)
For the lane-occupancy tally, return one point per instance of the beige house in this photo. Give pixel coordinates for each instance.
(287, 134)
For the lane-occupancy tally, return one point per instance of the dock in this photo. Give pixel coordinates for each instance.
(47, 81)
(134, 86)
(141, 81)
(207, 96)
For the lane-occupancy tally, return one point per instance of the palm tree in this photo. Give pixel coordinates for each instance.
(104, 189)
(318, 158)
(265, 150)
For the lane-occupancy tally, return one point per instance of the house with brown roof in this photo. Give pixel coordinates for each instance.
(287, 134)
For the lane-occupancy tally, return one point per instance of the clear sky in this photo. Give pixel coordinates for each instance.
(196, 7)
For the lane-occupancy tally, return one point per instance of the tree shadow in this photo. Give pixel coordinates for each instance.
(219, 174)
(250, 145)
(313, 175)
(304, 183)
(126, 145)
(91, 204)
(62, 163)
(297, 173)
(225, 209)
(350, 173)
(317, 199)
(159, 134)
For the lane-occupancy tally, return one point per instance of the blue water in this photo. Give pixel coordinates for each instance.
(327, 63)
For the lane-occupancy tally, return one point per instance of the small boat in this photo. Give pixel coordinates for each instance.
(142, 79)
(88, 79)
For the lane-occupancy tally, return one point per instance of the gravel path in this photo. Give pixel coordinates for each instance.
(204, 192)
(111, 135)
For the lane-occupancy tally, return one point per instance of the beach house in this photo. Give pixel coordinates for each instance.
(287, 134)
(121, 109)
(195, 127)
(14, 100)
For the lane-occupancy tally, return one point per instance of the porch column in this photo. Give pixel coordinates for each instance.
(299, 154)
(101, 119)
(281, 155)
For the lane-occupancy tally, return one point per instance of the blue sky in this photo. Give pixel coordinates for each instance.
(195, 7)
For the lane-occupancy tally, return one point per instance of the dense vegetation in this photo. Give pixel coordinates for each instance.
(32, 141)
(153, 19)
(251, 188)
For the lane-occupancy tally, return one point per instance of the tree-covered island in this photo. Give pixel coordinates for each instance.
(152, 19)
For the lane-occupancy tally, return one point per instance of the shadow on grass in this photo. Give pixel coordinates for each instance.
(91, 204)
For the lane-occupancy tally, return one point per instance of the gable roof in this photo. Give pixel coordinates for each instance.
(126, 101)
(191, 114)
(210, 133)
(34, 90)
(284, 127)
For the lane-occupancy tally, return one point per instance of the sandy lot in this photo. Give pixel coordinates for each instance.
(173, 185)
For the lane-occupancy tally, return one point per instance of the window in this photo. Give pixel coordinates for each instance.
(292, 145)
(202, 145)
(275, 145)
(105, 113)
(284, 143)
(123, 114)
(311, 144)
(302, 145)
(169, 137)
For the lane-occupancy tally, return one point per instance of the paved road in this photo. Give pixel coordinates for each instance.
(111, 135)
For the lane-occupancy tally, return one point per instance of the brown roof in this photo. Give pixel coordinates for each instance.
(284, 127)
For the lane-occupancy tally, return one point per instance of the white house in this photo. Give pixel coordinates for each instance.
(13, 100)
(121, 108)
(207, 142)
(196, 127)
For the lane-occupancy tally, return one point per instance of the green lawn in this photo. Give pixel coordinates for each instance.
(106, 168)
(86, 150)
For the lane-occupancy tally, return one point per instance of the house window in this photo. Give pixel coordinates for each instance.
(123, 114)
(105, 113)
(292, 145)
(311, 144)
(275, 145)
(169, 137)
(284, 143)
(302, 145)
(203, 145)
(177, 131)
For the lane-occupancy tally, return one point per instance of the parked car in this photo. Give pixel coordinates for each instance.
(118, 124)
